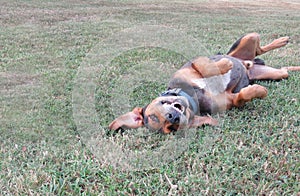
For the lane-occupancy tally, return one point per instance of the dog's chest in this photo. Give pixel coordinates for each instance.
(215, 84)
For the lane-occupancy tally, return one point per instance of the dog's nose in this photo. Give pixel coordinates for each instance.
(173, 117)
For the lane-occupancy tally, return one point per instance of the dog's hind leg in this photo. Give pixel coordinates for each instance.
(277, 43)
(260, 72)
(248, 47)
(292, 68)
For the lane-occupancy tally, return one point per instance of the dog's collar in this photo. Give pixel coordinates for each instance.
(180, 92)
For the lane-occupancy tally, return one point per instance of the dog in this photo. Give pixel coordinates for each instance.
(204, 86)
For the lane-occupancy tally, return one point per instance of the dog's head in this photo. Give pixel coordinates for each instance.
(167, 113)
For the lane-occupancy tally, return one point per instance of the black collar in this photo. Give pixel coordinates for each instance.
(180, 92)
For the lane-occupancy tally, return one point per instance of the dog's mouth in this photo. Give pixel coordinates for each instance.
(173, 128)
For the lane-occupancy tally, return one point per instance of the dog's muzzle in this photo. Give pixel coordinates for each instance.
(173, 116)
(180, 92)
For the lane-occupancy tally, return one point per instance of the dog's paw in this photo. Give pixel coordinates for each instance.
(199, 121)
(224, 65)
(250, 92)
(213, 122)
(260, 91)
(282, 41)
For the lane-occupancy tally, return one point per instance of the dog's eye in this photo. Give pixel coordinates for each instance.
(154, 118)
(165, 102)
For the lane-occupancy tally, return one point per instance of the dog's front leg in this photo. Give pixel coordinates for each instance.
(199, 121)
(248, 93)
(208, 68)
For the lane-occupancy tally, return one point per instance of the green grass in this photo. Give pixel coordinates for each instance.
(43, 149)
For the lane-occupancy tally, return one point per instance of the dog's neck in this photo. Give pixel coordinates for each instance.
(180, 92)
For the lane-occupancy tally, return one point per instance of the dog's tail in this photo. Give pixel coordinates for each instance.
(259, 61)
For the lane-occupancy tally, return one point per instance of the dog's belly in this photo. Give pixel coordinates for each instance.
(215, 84)
(233, 80)
(238, 75)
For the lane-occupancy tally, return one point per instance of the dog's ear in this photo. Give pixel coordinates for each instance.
(131, 120)
(198, 121)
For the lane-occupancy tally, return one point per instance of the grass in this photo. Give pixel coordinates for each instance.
(44, 150)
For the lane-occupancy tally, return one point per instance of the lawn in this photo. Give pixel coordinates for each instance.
(68, 68)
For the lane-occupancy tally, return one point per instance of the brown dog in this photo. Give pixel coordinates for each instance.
(208, 85)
